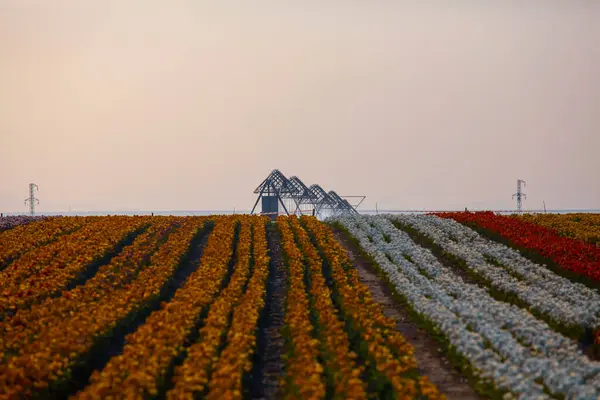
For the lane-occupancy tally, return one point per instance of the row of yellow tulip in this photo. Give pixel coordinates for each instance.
(48, 360)
(140, 370)
(236, 359)
(581, 226)
(341, 370)
(191, 378)
(27, 324)
(389, 352)
(23, 238)
(49, 269)
(303, 370)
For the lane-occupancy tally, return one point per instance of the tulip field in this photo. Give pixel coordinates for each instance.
(449, 305)
(518, 328)
(13, 221)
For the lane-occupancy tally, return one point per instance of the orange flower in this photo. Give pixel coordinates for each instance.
(391, 354)
(154, 346)
(59, 345)
(303, 372)
(47, 270)
(235, 360)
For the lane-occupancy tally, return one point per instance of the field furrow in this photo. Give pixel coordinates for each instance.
(304, 374)
(191, 378)
(508, 349)
(580, 226)
(393, 367)
(232, 370)
(243, 307)
(27, 324)
(341, 370)
(15, 221)
(43, 273)
(151, 351)
(48, 362)
(575, 256)
(24, 238)
(571, 307)
(268, 364)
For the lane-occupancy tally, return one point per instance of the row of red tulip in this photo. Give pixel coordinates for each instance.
(581, 226)
(572, 254)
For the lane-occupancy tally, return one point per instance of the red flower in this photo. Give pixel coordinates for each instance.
(571, 254)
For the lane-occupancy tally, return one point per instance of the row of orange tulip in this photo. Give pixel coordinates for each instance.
(49, 269)
(28, 324)
(191, 378)
(23, 238)
(140, 370)
(48, 361)
(303, 370)
(65, 249)
(389, 352)
(339, 360)
(236, 359)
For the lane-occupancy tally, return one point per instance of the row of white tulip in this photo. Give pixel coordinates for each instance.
(564, 301)
(505, 345)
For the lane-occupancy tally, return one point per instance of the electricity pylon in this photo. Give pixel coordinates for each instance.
(32, 200)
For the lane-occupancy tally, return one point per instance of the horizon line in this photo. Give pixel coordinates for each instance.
(242, 211)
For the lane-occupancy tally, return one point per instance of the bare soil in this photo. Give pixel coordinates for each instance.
(432, 362)
(268, 365)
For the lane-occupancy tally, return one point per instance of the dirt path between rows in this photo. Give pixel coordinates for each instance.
(268, 365)
(432, 362)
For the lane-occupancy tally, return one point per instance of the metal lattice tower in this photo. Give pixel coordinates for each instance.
(520, 196)
(276, 188)
(32, 200)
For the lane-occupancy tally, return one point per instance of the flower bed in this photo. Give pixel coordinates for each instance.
(580, 226)
(384, 347)
(24, 238)
(573, 255)
(573, 306)
(12, 221)
(341, 370)
(151, 350)
(235, 362)
(303, 371)
(27, 324)
(192, 377)
(50, 269)
(48, 361)
(506, 348)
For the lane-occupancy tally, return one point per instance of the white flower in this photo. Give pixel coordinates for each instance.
(505, 343)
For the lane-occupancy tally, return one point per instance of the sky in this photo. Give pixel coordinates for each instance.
(189, 105)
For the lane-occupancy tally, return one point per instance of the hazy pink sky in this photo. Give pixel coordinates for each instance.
(188, 105)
